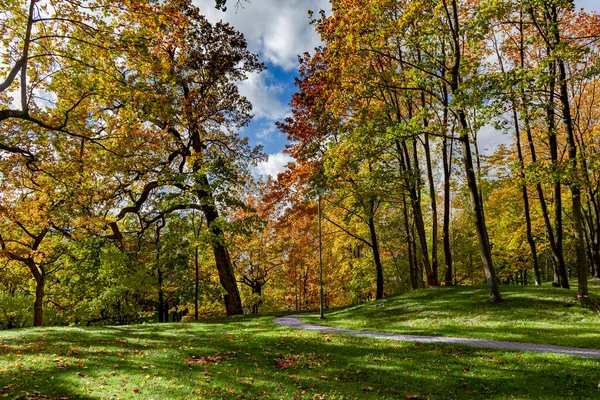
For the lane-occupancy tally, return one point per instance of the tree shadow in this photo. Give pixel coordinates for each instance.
(249, 358)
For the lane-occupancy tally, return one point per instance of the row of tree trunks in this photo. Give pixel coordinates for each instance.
(521, 159)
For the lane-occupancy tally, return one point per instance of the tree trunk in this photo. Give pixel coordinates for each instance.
(559, 262)
(526, 209)
(412, 184)
(39, 275)
(161, 298)
(478, 214)
(447, 166)
(434, 218)
(163, 312)
(556, 250)
(256, 289)
(473, 187)
(592, 219)
(38, 308)
(434, 215)
(376, 256)
(574, 186)
(232, 299)
(412, 265)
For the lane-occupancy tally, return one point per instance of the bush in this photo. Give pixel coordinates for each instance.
(16, 310)
(116, 305)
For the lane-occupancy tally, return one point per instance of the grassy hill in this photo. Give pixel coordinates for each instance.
(252, 358)
(527, 314)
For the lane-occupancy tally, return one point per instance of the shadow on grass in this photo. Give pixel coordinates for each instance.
(252, 358)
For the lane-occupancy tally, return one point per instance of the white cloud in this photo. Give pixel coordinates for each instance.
(276, 29)
(489, 138)
(267, 132)
(263, 91)
(273, 166)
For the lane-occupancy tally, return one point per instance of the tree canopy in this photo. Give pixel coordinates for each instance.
(127, 190)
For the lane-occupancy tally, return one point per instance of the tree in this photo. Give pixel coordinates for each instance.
(199, 106)
(405, 53)
(103, 140)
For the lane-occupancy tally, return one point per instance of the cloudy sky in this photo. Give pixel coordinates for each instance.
(278, 30)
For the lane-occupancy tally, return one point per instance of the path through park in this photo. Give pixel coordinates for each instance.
(294, 322)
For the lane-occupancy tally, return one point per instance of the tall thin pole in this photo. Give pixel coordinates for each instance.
(321, 316)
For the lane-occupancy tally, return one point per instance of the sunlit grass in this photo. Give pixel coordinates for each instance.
(252, 358)
(527, 314)
(248, 358)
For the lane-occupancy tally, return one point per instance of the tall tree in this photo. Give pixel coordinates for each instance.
(192, 67)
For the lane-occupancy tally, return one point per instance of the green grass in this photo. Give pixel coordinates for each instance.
(527, 314)
(252, 358)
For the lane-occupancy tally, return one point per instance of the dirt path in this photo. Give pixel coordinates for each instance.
(293, 322)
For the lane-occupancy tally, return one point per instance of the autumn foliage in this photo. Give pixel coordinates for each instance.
(124, 181)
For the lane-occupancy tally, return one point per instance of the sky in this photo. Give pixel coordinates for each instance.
(278, 31)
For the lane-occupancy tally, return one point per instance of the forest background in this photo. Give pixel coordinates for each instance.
(125, 182)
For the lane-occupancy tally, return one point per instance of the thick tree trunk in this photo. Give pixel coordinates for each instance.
(38, 308)
(39, 275)
(232, 299)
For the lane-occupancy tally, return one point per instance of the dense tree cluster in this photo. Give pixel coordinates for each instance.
(387, 118)
(117, 117)
(123, 179)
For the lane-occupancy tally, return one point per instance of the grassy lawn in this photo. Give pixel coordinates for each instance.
(527, 314)
(250, 357)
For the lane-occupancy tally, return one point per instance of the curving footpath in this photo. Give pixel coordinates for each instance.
(292, 321)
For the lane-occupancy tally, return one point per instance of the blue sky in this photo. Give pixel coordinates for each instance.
(278, 31)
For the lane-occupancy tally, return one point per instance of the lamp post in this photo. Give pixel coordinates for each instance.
(321, 316)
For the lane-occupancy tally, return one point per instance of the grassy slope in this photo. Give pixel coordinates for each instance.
(527, 314)
(247, 358)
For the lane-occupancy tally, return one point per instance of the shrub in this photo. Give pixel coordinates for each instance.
(15, 310)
